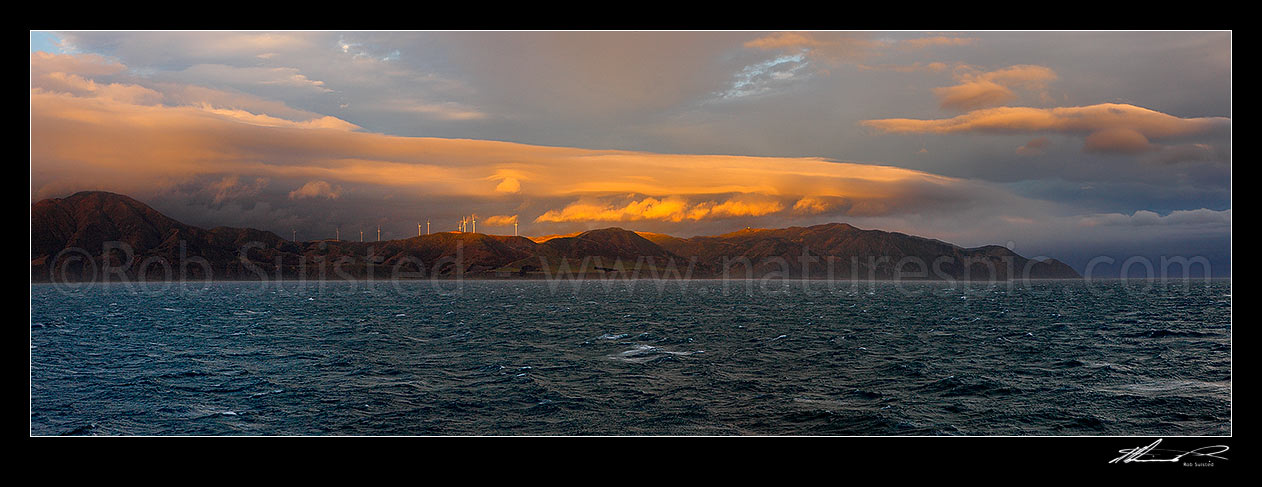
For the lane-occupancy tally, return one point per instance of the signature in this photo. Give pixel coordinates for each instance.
(1151, 453)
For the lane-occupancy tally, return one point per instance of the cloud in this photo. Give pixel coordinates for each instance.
(585, 77)
(1108, 127)
(131, 144)
(1034, 147)
(90, 65)
(316, 189)
(508, 185)
(832, 49)
(266, 120)
(1186, 153)
(285, 78)
(49, 76)
(818, 204)
(672, 209)
(171, 110)
(785, 40)
(669, 209)
(935, 41)
(232, 188)
(916, 67)
(442, 111)
(500, 220)
(220, 145)
(1120, 140)
(179, 94)
(1198, 217)
(80, 86)
(829, 48)
(762, 77)
(846, 46)
(973, 94)
(738, 207)
(992, 88)
(159, 47)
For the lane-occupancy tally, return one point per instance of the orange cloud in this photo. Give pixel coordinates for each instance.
(43, 63)
(83, 140)
(817, 204)
(1121, 140)
(127, 146)
(785, 40)
(1109, 126)
(500, 220)
(977, 90)
(923, 42)
(743, 207)
(672, 209)
(80, 86)
(316, 189)
(973, 94)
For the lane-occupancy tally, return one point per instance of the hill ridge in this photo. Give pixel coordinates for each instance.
(88, 220)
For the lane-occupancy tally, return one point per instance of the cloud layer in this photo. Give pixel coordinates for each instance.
(969, 137)
(1106, 127)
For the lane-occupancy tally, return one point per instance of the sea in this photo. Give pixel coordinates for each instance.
(681, 357)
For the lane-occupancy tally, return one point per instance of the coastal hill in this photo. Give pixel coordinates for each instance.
(93, 236)
(854, 254)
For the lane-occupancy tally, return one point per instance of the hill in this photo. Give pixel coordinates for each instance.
(96, 235)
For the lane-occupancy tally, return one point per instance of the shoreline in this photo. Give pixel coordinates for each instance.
(603, 279)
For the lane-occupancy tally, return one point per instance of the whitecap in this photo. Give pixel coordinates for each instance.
(645, 353)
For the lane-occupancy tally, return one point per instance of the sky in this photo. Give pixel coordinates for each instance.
(1073, 145)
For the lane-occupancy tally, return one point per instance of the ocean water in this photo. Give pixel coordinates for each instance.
(637, 358)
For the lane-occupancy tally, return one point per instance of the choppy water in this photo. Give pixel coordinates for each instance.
(693, 357)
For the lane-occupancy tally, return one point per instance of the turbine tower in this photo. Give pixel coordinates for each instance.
(295, 239)
(338, 235)
(427, 227)
(361, 236)
(418, 229)
(378, 233)
(474, 219)
(514, 228)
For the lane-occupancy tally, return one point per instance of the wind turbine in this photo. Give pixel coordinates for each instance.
(514, 228)
(474, 218)
(378, 233)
